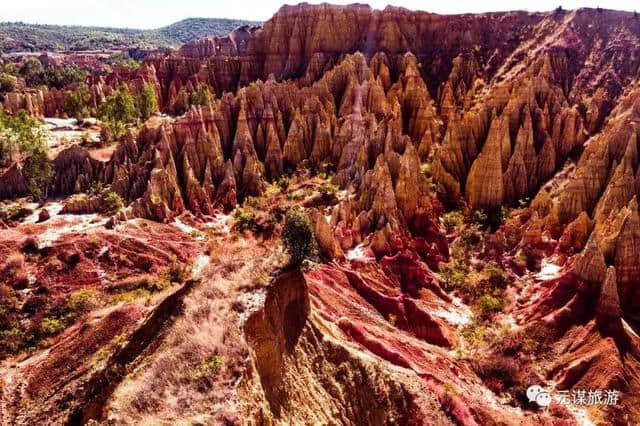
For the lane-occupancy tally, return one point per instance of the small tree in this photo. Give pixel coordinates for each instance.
(20, 133)
(118, 110)
(123, 59)
(124, 106)
(202, 95)
(38, 172)
(7, 82)
(76, 102)
(147, 102)
(298, 238)
(32, 71)
(63, 76)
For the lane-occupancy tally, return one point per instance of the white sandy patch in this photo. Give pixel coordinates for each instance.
(548, 271)
(99, 269)
(183, 226)
(454, 316)
(221, 222)
(188, 229)
(581, 415)
(65, 132)
(53, 207)
(72, 224)
(357, 253)
(490, 397)
(199, 264)
(457, 313)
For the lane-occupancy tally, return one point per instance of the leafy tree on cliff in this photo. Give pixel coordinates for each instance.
(63, 76)
(76, 103)
(24, 135)
(7, 82)
(147, 102)
(20, 134)
(118, 110)
(201, 96)
(123, 59)
(57, 76)
(32, 71)
(298, 237)
(38, 172)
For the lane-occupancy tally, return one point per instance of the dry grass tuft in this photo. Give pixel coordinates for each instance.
(14, 264)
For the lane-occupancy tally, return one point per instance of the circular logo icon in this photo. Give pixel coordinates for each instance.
(539, 395)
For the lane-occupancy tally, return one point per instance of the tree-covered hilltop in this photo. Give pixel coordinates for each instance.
(19, 37)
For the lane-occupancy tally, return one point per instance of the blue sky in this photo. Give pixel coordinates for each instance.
(157, 13)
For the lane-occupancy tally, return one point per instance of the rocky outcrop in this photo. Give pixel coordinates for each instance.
(485, 186)
(273, 333)
(13, 184)
(608, 311)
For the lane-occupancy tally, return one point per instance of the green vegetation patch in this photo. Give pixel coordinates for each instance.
(298, 237)
(209, 367)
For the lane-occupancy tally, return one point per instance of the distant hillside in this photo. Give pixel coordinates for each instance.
(18, 37)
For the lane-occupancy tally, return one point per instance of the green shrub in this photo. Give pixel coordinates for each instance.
(476, 335)
(118, 110)
(328, 188)
(244, 219)
(146, 282)
(7, 83)
(32, 71)
(493, 218)
(112, 201)
(20, 134)
(271, 190)
(209, 367)
(76, 103)
(14, 211)
(479, 216)
(201, 96)
(130, 296)
(255, 202)
(298, 237)
(147, 102)
(60, 76)
(52, 326)
(123, 59)
(283, 182)
(489, 304)
(453, 220)
(12, 341)
(38, 171)
(83, 301)
(471, 236)
(453, 273)
(495, 274)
